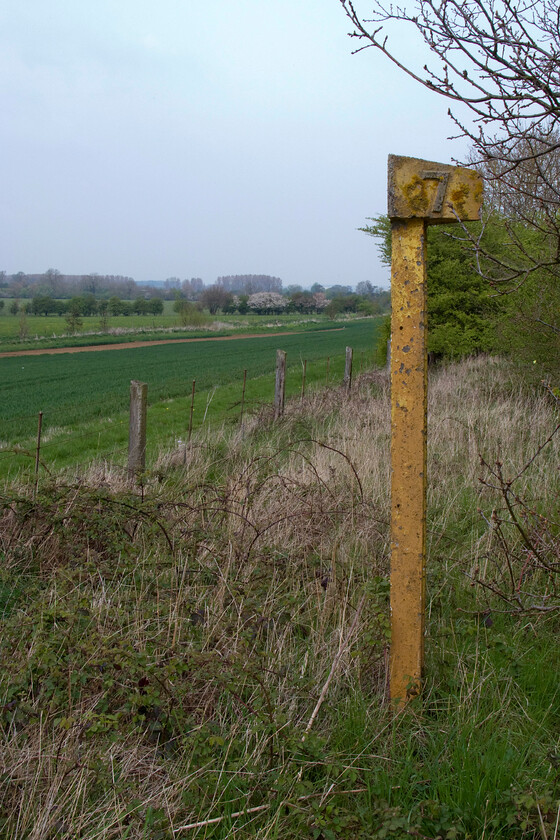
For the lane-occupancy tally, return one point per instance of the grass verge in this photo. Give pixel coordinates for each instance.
(205, 655)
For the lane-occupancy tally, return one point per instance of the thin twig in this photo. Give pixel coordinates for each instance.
(258, 808)
(341, 650)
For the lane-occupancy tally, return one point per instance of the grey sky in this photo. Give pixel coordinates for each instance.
(159, 138)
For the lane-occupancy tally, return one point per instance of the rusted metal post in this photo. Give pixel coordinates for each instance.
(280, 388)
(348, 369)
(420, 193)
(137, 428)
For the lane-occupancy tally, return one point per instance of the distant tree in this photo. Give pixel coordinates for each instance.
(214, 298)
(250, 283)
(189, 313)
(317, 288)
(365, 289)
(92, 283)
(265, 303)
(155, 306)
(320, 300)
(103, 310)
(1, 304)
(14, 307)
(333, 308)
(23, 327)
(43, 305)
(89, 304)
(115, 305)
(53, 280)
(231, 305)
(140, 306)
(303, 302)
(172, 283)
(19, 284)
(338, 291)
(73, 315)
(197, 286)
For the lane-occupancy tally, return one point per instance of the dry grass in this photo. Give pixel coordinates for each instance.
(165, 654)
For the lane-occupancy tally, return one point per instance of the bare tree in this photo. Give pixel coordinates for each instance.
(498, 63)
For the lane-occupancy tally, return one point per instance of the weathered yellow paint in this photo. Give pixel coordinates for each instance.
(420, 193)
(408, 456)
(437, 192)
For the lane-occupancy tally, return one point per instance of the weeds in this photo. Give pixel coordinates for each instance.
(208, 658)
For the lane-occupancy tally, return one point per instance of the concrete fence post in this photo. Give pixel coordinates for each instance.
(280, 389)
(137, 428)
(348, 369)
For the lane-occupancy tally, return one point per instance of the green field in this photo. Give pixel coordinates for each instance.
(84, 396)
(204, 656)
(42, 332)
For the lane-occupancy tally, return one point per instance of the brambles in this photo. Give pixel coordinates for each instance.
(207, 656)
(519, 561)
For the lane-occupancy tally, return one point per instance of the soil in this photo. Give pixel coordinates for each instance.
(128, 345)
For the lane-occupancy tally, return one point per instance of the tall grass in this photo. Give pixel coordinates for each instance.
(206, 655)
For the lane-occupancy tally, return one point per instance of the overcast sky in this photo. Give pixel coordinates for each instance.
(158, 138)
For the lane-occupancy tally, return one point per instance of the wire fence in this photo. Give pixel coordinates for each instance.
(171, 421)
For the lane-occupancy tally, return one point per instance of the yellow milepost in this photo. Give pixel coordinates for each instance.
(408, 456)
(420, 193)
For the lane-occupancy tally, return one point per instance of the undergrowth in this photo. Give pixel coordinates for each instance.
(205, 655)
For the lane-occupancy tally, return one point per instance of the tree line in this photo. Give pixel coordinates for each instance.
(84, 306)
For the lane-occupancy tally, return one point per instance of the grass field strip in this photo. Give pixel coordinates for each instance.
(84, 397)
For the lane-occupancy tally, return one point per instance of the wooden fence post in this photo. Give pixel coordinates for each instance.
(189, 433)
(303, 376)
(348, 369)
(280, 388)
(38, 451)
(137, 428)
(243, 397)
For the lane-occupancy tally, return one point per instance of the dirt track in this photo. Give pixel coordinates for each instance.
(128, 345)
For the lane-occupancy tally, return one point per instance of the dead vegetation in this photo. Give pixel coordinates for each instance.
(215, 641)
